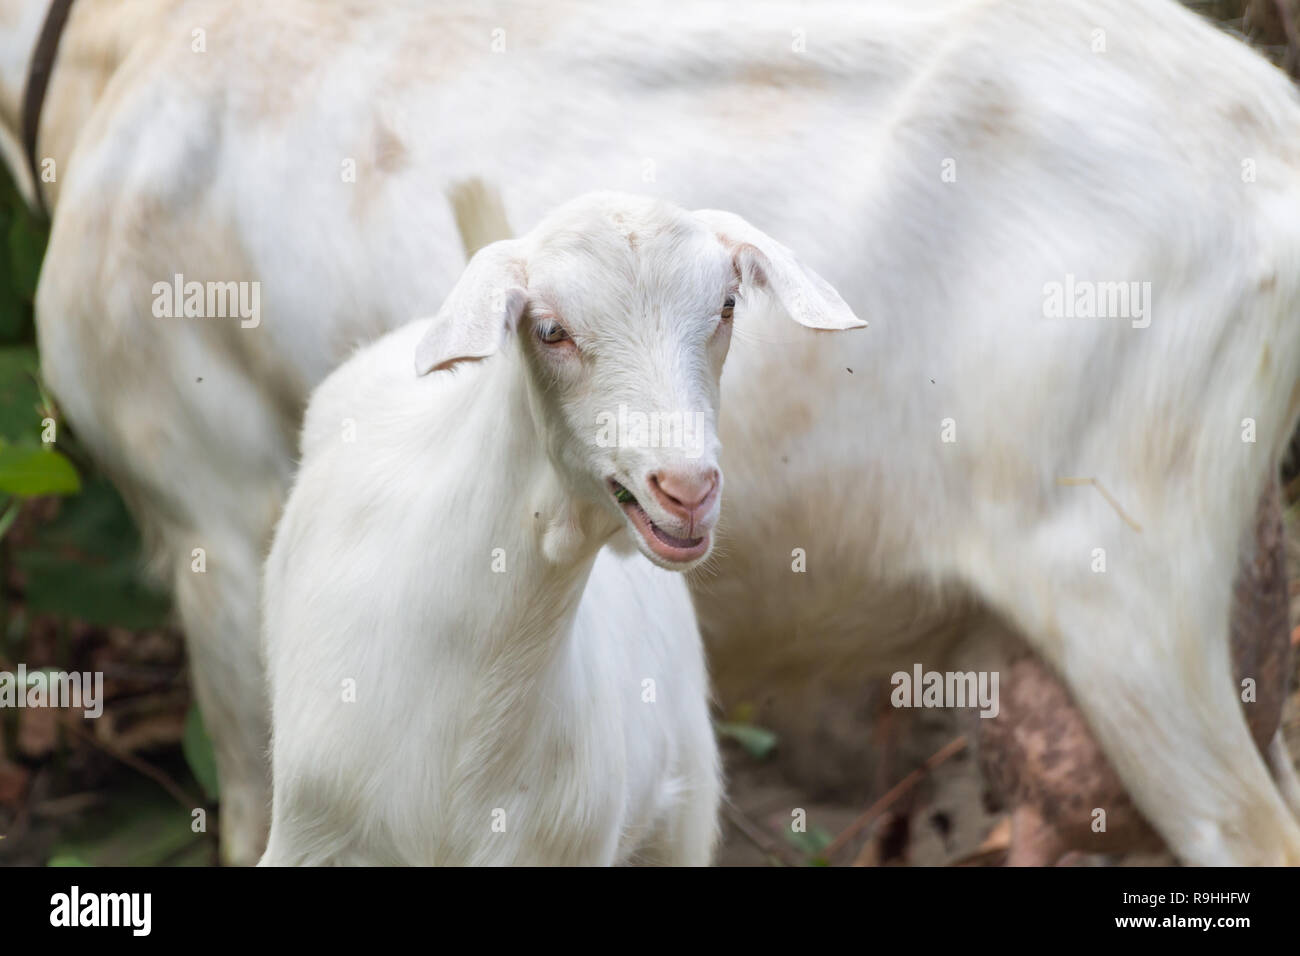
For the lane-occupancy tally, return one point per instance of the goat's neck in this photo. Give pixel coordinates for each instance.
(547, 536)
(96, 39)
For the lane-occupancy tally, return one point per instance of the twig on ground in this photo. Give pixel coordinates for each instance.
(756, 835)
(993, 850)
(138, 765)
(63, 806)
(895, 792)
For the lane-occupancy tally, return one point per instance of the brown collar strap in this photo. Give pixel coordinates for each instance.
(38, 79)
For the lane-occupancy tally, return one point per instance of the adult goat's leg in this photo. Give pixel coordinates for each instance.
(1144, 650)
(1042, 759)
(220, 610)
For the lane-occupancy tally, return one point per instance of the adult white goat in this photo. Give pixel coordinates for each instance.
(438, 580)
(940, 163)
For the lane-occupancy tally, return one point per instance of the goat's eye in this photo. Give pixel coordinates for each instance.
(729, 307)
(552, 333)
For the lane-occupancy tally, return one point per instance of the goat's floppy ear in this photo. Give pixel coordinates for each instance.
(763, 261)
(484, 307)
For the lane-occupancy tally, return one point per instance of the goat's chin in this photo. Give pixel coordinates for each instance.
(672, 562)
(663, 548)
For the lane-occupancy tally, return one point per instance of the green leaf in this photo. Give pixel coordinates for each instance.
(22, 246)
(108, 595)
(87, 563)
(15, 314)
(758, 742)
(95, 524)
(21, 402)
(140, 826)
(9, 515)
(197, 747)
(26, 249)
(812, 842)
(32, 471)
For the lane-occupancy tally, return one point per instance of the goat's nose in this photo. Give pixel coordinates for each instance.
(685, 494)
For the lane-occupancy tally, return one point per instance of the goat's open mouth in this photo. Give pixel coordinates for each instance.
(667, 546)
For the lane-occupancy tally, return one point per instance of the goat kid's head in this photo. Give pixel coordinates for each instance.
(623, 308)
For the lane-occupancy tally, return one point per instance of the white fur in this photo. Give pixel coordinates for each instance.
(1117, 164)
(476, 691)
(434, 556)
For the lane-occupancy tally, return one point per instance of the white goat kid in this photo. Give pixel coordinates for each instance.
(460, 673)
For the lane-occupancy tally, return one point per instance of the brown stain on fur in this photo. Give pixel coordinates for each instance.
(381, 157)
(390, 153)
